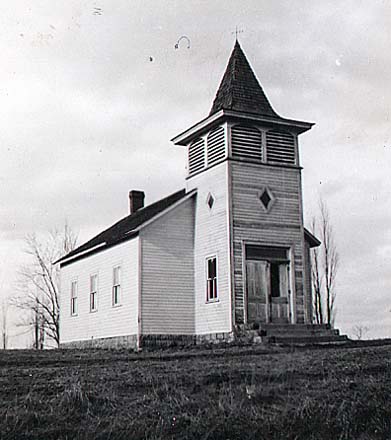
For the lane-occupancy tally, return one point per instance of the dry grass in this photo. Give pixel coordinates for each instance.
(240, 393)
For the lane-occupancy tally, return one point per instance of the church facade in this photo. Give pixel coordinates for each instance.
(228, 251)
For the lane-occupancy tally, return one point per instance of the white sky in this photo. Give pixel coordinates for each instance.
(85, 116)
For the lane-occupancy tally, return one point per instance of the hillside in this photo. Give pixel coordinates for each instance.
(240, 393)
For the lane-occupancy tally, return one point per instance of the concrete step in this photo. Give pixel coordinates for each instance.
(300, 332)
(308, 340)
(299, 329)
(290, 334)
(296, 327)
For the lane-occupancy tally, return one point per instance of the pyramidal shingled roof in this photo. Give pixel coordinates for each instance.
(240, 90)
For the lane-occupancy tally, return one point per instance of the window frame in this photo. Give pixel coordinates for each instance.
(94, 294)
(115, 287)
(74, 296)
(211, 281)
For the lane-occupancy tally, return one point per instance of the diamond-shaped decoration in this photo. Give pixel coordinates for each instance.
(265, 198)
(210, 200)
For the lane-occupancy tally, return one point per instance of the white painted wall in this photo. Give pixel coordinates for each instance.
(212, 238)
(167, 288)
(107, 321)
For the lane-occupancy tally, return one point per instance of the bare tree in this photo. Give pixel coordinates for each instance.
(4, 324)
(39, 284)
(359, 331)
(324, 266)
(317, 282)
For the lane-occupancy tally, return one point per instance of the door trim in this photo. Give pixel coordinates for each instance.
(291, 276)
(292, 296)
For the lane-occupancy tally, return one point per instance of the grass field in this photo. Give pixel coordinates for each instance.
(240, 393)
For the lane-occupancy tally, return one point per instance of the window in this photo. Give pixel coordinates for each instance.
(246, 142)
(93, 293)
(211, 279)
(116, 286)
(196, 156)
(74, 298)
(215, 145)
(267, 199)
(280, 147)
(210, 200)
(268, 253)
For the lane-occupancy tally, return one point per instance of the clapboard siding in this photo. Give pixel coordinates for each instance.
(248, 182)
(167, 287)
(212, 238)
(280, 225)
(107, 321)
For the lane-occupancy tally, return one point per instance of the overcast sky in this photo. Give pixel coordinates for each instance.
(91, 92)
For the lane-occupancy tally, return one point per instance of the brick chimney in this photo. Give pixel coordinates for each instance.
(136, 200)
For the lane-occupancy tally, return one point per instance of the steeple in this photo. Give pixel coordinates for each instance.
(240, 97)
(240, 90)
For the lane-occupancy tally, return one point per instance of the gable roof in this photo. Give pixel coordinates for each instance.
(240, 90)
(124, 229)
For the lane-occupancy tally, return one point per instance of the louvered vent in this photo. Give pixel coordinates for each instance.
(196, 156)
(280, 147)
(246, 142)
(215, 145)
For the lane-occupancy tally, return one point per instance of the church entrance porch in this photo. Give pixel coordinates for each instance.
(269, 297)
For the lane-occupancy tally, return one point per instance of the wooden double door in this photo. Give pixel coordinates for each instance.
(268, 292)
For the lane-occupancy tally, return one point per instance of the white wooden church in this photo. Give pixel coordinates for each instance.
(227, 252)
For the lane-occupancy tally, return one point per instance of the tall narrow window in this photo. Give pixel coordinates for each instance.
(211, 279)
(93, 293)
(74, 298)
(116, 286)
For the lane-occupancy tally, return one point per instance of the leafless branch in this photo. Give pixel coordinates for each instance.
(39, 283)
(324, 266)
(359, 331)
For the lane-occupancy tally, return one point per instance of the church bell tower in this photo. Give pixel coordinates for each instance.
(243, 160)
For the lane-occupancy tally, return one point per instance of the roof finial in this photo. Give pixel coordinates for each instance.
(237, 32)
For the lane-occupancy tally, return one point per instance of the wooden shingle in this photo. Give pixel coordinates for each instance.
(240, 90)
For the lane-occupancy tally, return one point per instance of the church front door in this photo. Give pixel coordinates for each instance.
(268, 291)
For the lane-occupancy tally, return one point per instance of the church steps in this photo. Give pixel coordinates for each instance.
(299, 329)
(303, 332)
(291, 334)
(308, 340)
